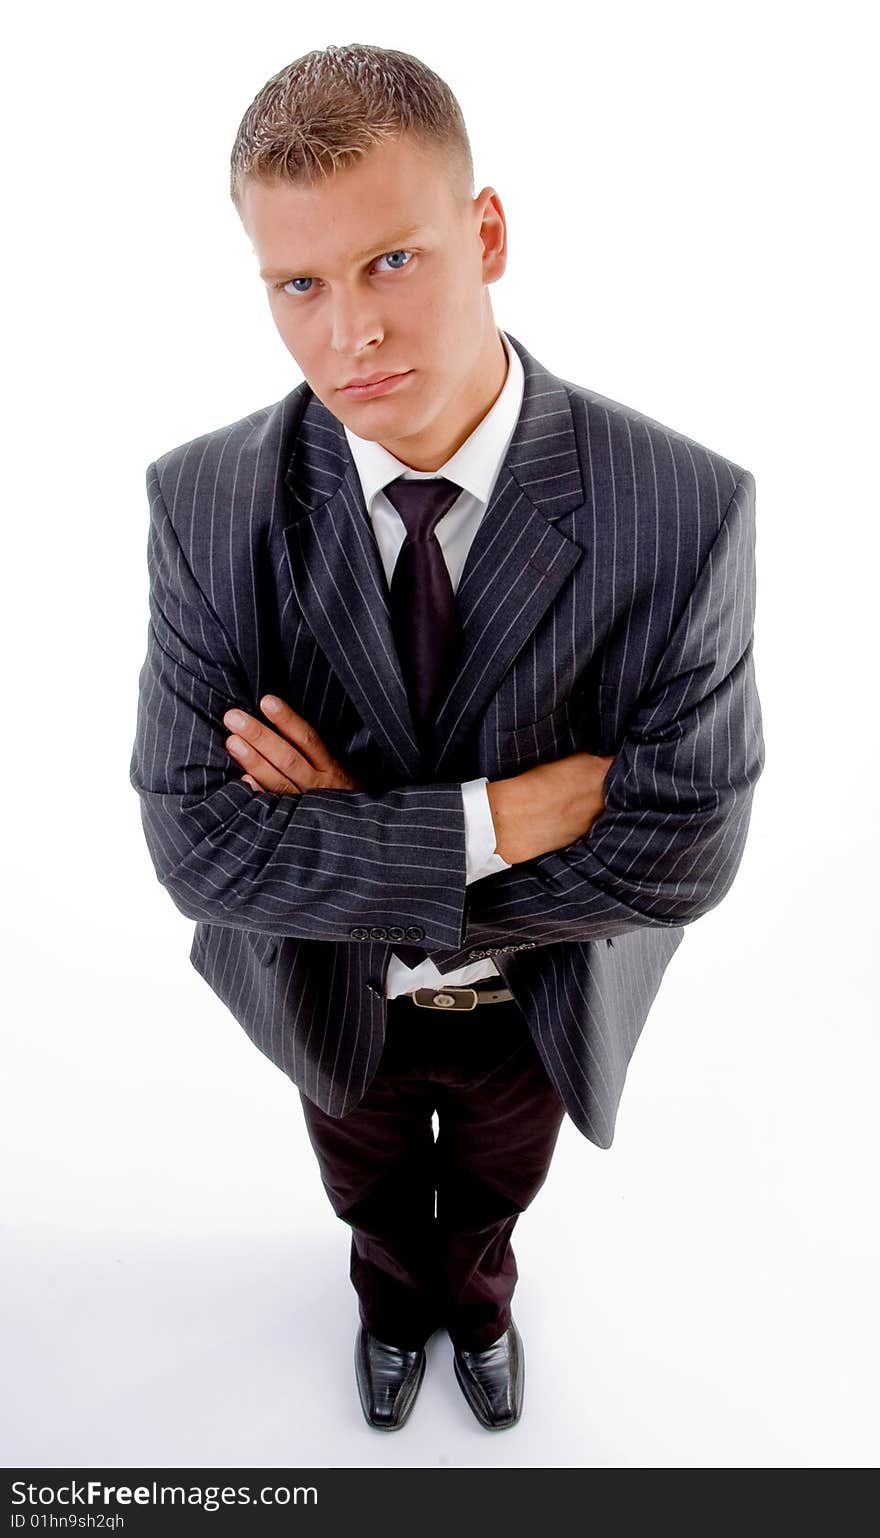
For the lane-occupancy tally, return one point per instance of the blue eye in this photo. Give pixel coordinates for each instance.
(386, 254)
(395, 253)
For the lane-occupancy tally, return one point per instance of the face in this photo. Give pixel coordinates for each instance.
(384, 269)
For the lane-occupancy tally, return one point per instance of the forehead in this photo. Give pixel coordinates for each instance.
(393, 192)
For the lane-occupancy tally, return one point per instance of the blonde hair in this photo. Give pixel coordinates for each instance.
(328, 108)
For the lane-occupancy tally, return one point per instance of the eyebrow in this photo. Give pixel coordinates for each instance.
(388, 243)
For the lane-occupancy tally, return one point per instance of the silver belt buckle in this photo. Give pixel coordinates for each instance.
(445, 998)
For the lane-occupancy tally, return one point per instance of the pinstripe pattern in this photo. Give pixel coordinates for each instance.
(607, 603)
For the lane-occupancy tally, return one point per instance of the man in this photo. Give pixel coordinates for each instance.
(448, 721)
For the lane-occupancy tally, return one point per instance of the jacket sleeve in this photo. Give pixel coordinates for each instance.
(678, 794)
(324, 865)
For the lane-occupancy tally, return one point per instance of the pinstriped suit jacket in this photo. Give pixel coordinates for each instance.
(607, 604)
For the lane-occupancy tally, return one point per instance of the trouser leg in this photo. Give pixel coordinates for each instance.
(377, 1167)
(498, 1127)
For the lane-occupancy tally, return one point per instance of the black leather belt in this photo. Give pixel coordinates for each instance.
(457, 998)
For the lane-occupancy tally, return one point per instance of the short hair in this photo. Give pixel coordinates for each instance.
(327, 109)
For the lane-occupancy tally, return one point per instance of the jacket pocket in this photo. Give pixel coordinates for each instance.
(550, 736)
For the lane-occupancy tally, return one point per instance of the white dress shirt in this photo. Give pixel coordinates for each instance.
(474, 466)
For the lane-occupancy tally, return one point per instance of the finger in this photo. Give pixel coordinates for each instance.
(299, 731)
(275, 749)
(267, 776)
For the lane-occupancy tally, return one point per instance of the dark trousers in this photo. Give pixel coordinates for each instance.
(499, 1116)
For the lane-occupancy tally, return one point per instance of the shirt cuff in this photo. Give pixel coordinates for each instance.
(482, 857)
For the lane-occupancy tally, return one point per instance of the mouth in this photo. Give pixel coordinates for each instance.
(378, 387)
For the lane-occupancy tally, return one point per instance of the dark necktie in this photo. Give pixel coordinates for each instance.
(423, 613)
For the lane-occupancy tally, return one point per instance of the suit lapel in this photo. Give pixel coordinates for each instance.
(340, 585)
(515, 567)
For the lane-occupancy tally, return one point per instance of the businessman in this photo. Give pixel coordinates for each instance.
(448, 721)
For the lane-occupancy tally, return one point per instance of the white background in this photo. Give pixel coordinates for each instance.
(688, 191)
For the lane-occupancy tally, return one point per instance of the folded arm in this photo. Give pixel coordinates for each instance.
(315, 865)
(678, 794)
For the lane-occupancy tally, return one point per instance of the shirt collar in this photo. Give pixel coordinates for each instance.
(474, 465)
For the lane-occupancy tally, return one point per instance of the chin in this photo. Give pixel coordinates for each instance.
(362, 416)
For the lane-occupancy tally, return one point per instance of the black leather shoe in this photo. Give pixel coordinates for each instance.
(493, 1380)
(388, 1380)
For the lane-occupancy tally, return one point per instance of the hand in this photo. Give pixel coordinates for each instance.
(287, 761)
(547, 807)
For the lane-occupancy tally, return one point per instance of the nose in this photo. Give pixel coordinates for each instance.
(354, 328)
